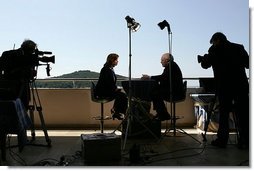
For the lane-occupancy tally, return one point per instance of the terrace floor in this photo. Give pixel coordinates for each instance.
(184, 148)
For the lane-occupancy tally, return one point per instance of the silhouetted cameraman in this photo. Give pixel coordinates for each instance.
(229, 61)
(19, 65)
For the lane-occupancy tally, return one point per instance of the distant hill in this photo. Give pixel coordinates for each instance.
(83, 74)
(71, 84)
(80, 74)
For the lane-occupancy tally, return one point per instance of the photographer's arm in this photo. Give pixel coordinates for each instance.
(245, 57)
(205, 63)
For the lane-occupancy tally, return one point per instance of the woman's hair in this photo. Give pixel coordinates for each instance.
(110, 59)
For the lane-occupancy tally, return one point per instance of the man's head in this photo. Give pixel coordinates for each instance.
(218, 39)
(165, 59)
(28, 46)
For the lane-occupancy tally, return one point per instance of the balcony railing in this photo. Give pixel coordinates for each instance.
(85, 82)
(72, 107)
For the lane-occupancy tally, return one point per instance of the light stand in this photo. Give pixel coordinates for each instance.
(162, 25)
(133, 26)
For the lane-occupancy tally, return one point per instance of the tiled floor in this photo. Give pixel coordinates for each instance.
(181, 149)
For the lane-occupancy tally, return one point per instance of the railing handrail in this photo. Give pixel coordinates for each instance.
(192, 81)
(95, 79)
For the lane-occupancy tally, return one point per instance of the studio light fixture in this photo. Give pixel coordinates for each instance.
(164, 24)
(132, 24)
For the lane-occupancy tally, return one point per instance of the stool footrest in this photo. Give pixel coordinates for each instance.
(105, 118)
(178, 117)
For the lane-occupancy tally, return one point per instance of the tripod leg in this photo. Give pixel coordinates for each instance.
(172, 120)
(126, 132)
(207, 121)
(36, 103)
(141, 107)
(39, 109)
(126, 119)
(31, 113)
(172, 124)
(209, 113)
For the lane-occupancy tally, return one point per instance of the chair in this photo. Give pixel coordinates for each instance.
(100, 100)
(13, 117)
(177, 99)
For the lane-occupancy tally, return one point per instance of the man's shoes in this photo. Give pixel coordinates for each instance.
(219, 143)
(162, 117)
(118, 116)
(165, 117)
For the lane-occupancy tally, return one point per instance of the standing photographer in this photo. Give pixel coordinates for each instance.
(19, 65)
(229, 61)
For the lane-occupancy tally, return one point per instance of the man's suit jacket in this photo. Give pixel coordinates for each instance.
(177, 82)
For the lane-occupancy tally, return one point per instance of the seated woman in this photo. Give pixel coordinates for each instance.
(106, 87)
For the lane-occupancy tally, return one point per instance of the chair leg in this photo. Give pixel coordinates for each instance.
(174, 118)
(102, 118)
(236, 126)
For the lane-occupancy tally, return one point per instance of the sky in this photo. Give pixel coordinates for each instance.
(81, 33)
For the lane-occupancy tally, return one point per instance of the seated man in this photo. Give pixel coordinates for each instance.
(162, 90)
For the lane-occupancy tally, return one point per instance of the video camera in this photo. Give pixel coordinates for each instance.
(40, 57)
(201, 58)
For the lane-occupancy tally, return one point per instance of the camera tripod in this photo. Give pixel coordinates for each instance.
(211, 108)
(36, 105)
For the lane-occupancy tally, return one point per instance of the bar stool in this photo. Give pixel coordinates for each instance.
(100, 100)
(177, 100)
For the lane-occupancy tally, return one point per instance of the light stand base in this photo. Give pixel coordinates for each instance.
(137, 123)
